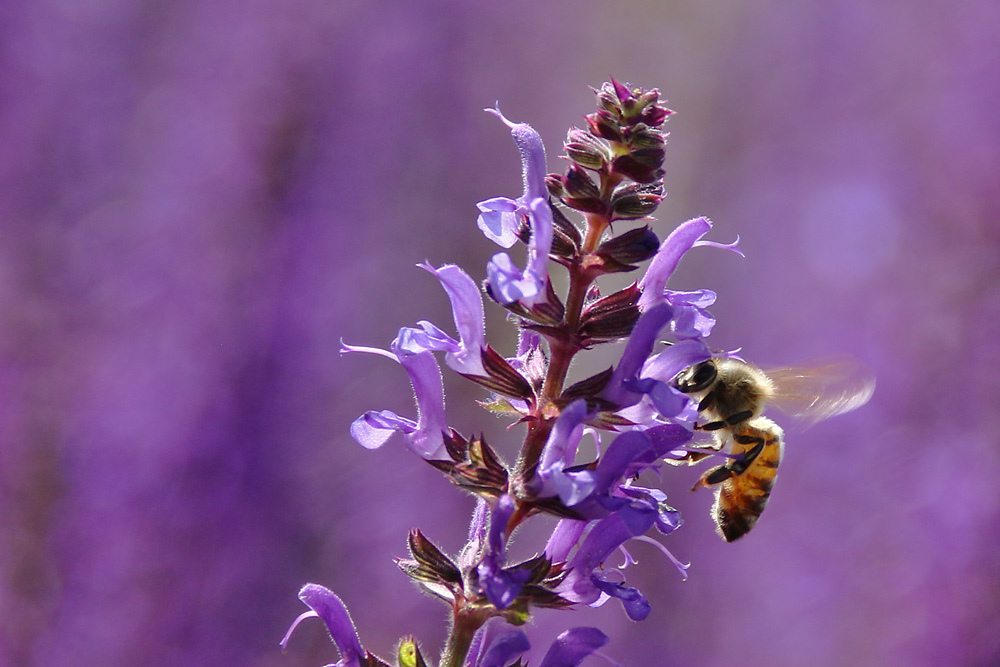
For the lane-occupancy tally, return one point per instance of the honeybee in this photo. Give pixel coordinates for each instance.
(731, 395)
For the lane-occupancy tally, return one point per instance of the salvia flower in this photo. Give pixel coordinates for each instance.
(501, 219)
(590, 221)
(425, 435)
(326, 606)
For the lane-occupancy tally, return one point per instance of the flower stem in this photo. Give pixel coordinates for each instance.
(463, 629)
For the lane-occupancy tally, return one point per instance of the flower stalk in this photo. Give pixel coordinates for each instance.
(614, 181)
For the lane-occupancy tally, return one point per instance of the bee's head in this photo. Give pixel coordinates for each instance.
(697, 378)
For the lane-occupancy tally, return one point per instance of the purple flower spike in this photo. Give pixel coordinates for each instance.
(424, 437)
(464, 355)
(499, 221)
(326, 606)
(571, 647)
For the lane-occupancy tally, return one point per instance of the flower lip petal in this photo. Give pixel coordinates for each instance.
(637, 350)
(571, 647)
(636, 605)
(667, 257)
(373, 429)
(467, 312)
(325, 604)
(529, 144)
(498, 220)
(503, 648)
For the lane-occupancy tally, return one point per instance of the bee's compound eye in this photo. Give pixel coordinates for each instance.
(697, 377)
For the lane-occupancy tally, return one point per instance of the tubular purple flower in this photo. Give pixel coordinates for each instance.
(499, 221)
(502, 649)
(424, 436)
(654, 381)
(559, 453)
(637, 350)
(571, 647)
(564, 537)
(585, 568)
(498, 217)
(464, 355)
(691, 320)
(501, 586)
(326, 606)
(687, 235)
(510, 284)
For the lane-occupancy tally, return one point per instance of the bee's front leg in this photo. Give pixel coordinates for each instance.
(735, 466)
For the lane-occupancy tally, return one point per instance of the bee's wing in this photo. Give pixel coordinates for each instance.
(821, 389)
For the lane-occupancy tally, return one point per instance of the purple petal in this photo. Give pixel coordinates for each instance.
(467, 311)
(425, 377)
(529, 144)
(571, 647)
(623, 452)
(665, 365)
(635, 603)
(425, 436)
(564, 537)
(500, 586)
(498, 220)
(565, 435)
(472, 552)
(504, 648)
(665, 261)
(329, 608)
(604, 537)
(373, 429)
(667, 437)
(637, 350)
(509, 283)
(691, 320)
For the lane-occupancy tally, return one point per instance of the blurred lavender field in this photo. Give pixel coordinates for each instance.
(199, 199)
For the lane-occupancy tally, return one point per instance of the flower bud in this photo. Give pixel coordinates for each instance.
(633, 201)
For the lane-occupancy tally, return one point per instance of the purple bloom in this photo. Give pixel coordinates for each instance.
(599, 492)
(503, 649)
(464, 355)
(571, 647)
(501, 586)
(586, 567)
(691, 320)
(638, 510)
(686, 236)
(326, 606)
(568, 650)
(500, 219)
(637, 350)
(424, 436)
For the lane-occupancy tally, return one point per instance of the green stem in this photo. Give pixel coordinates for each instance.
(462, 631)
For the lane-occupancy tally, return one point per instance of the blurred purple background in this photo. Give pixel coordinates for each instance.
(199, 199)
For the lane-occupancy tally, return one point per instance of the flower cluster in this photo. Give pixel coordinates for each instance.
(613, 183)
